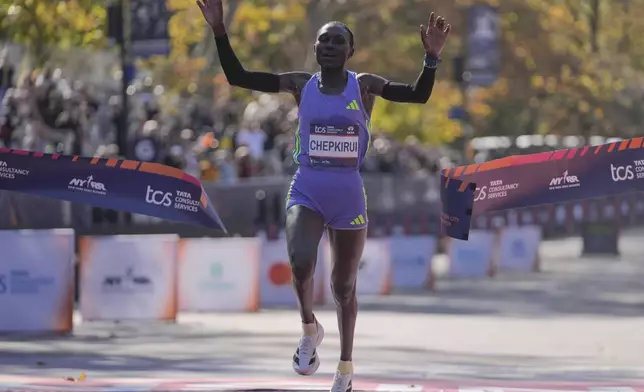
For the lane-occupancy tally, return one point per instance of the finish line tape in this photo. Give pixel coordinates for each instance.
(139, 187)
(545, 178)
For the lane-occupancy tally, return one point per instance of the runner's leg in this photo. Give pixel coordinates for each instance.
(304, 228)
(346, 252)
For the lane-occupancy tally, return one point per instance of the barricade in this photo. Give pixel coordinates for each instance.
(276, 289)
(472, 258)
(518, 249)
(129, 277)
(411, 261)
(219, 274)
(37, 281)
(374, 272)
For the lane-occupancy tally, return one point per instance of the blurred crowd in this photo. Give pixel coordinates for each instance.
(47, 111)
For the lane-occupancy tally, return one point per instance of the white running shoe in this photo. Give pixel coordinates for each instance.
(342, 382)
(306, 360)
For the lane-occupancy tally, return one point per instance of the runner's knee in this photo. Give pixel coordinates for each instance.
(302, 261)
(344, 289)
(304, 229)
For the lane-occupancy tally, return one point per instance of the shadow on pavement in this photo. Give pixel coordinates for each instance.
(568, 285)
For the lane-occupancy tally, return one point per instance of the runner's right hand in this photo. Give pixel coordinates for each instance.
(213, 12)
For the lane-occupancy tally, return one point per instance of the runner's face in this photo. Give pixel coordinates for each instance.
(333, 47)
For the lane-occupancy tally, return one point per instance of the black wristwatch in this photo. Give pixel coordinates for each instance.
(432, 62)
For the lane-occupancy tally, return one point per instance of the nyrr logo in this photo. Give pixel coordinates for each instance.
(87, 185)
(565, 181)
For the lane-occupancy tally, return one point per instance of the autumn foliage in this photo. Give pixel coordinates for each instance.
(567, 69)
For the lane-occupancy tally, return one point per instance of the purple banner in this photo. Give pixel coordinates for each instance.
(139, 187)
(537, 179)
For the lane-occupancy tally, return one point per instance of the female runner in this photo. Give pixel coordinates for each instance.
(327, 191)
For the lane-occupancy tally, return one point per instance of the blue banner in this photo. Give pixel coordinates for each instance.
(139, 187)
(483, 62)
(537, 179)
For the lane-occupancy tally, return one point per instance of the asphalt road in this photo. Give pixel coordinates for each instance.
(580, 320)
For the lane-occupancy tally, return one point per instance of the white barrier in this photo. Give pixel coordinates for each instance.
(37, 280)
(518, 249)
(472, 258)
(276, 287)
(411, 260)
(374, 273)
(129, 277)
(219, 274)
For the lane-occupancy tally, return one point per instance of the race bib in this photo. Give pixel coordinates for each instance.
(334, 146)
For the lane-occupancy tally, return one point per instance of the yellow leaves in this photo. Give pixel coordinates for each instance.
(61, 7)
(291, 11)
(429, 122)
(566, 73)
(557, 12)
(261, 16)
(547, 58)
(619, 85)
(551, 85)
(462, 3)
(582, 26)
(598, 113)
(42, 26)
(179, 5)
(186, 68)
(185, 28)
(587, 82)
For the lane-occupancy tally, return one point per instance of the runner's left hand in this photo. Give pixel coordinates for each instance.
(434, 35)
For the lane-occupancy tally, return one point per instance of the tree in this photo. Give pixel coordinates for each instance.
(565, 71)
(279, 36)
(46, 25)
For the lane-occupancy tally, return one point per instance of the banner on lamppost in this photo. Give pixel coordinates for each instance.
(483, 62)
(149, 28)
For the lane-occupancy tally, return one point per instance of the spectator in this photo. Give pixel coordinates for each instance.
(254, 138)
(49, 112)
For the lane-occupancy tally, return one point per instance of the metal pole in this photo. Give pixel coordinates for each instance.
(594, 26)
(467, 127)
(126, 66)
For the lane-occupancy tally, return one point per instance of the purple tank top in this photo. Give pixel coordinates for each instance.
(333, 130)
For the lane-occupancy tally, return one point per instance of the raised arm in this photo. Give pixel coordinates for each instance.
(433, 38)
(291, 82)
